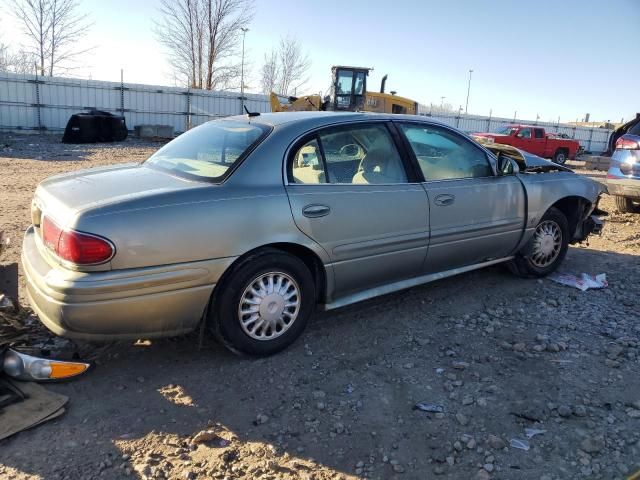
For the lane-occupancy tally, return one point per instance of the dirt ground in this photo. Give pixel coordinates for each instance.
(499, 354)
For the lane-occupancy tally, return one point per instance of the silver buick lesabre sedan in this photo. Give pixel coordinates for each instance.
(250, 223)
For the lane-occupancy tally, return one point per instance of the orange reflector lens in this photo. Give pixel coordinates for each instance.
(66, 369)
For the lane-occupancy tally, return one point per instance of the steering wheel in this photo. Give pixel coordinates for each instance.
(349, 150)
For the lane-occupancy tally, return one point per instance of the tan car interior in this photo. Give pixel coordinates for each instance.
(379, 166)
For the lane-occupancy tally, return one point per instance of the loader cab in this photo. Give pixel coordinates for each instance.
(348, 88)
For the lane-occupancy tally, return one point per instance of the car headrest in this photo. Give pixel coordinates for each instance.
(377, 157)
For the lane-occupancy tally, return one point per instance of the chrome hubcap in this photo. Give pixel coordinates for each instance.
(269, 306)
(547, 241)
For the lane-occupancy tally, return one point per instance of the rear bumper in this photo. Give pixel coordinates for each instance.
(623, 177)
(125, 304)
(624, 187)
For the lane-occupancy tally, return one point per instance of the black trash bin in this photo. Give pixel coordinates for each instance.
(95, 126)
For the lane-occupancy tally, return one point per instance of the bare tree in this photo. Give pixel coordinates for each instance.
(285, 68)
(54, 30)
(15, 62)
(4, 58)
(270, 72)
(202, 37)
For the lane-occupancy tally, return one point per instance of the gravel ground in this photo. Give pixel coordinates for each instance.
(499, 354)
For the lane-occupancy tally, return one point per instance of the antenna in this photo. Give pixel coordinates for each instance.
(251, 114)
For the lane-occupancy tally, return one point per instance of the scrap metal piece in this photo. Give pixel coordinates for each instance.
(39, 405)
(429, 407)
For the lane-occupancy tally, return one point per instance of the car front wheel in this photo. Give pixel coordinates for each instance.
(546, 249)
(264, 303)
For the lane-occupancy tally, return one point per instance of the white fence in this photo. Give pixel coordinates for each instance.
(46, 103)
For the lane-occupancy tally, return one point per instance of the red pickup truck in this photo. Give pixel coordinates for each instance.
(533, 139)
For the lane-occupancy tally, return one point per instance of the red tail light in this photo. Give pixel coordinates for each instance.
(75, 247)
(627, 144)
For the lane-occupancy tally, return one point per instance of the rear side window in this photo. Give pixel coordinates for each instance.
(539, 133)
(209, 151)
(307, 165)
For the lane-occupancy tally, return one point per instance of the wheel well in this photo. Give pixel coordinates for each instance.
(308, 256)
(311, 260)
(574, 209)
(562, 149)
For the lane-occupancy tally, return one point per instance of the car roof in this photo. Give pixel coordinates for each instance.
(317, 119)
(521, 125)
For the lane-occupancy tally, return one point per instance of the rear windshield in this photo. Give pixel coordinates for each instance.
(635, 130)
(209, 151)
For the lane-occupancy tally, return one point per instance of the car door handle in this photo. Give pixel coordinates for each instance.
(315, 211)
(445, 199)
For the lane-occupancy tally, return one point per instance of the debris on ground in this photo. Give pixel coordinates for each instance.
(6, 305)
(532, 432)
(429, 407)
(584, 282)
(519, 444)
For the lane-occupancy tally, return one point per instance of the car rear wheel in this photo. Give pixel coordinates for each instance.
(263, 304)
(560, 157)
(546, 249)
(624, 204)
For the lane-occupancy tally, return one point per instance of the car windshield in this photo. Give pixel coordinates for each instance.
(208, 152)
(505, 130)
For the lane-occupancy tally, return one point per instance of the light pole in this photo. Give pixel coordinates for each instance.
(466, 107)
(244, 32)
(442, 102)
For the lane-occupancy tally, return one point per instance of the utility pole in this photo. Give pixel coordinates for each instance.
(244, 32)
(466, 107)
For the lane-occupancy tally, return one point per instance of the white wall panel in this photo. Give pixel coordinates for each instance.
(150, 104)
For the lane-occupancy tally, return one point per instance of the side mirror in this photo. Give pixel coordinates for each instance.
(505, 165)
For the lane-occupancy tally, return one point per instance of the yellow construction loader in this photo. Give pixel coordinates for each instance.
(348, 93)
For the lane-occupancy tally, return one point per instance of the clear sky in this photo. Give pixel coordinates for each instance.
(545, 57)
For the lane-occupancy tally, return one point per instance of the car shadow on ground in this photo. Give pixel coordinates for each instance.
(344, 392)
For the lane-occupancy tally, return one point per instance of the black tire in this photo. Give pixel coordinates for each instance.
(224, 317)
(524, 265)
(624, 204)
(560, 157)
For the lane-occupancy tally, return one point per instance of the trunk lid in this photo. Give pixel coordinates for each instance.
(64, 196)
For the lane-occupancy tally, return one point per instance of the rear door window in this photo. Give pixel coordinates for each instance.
(308, 167)
(363, 154)
(355, 154)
